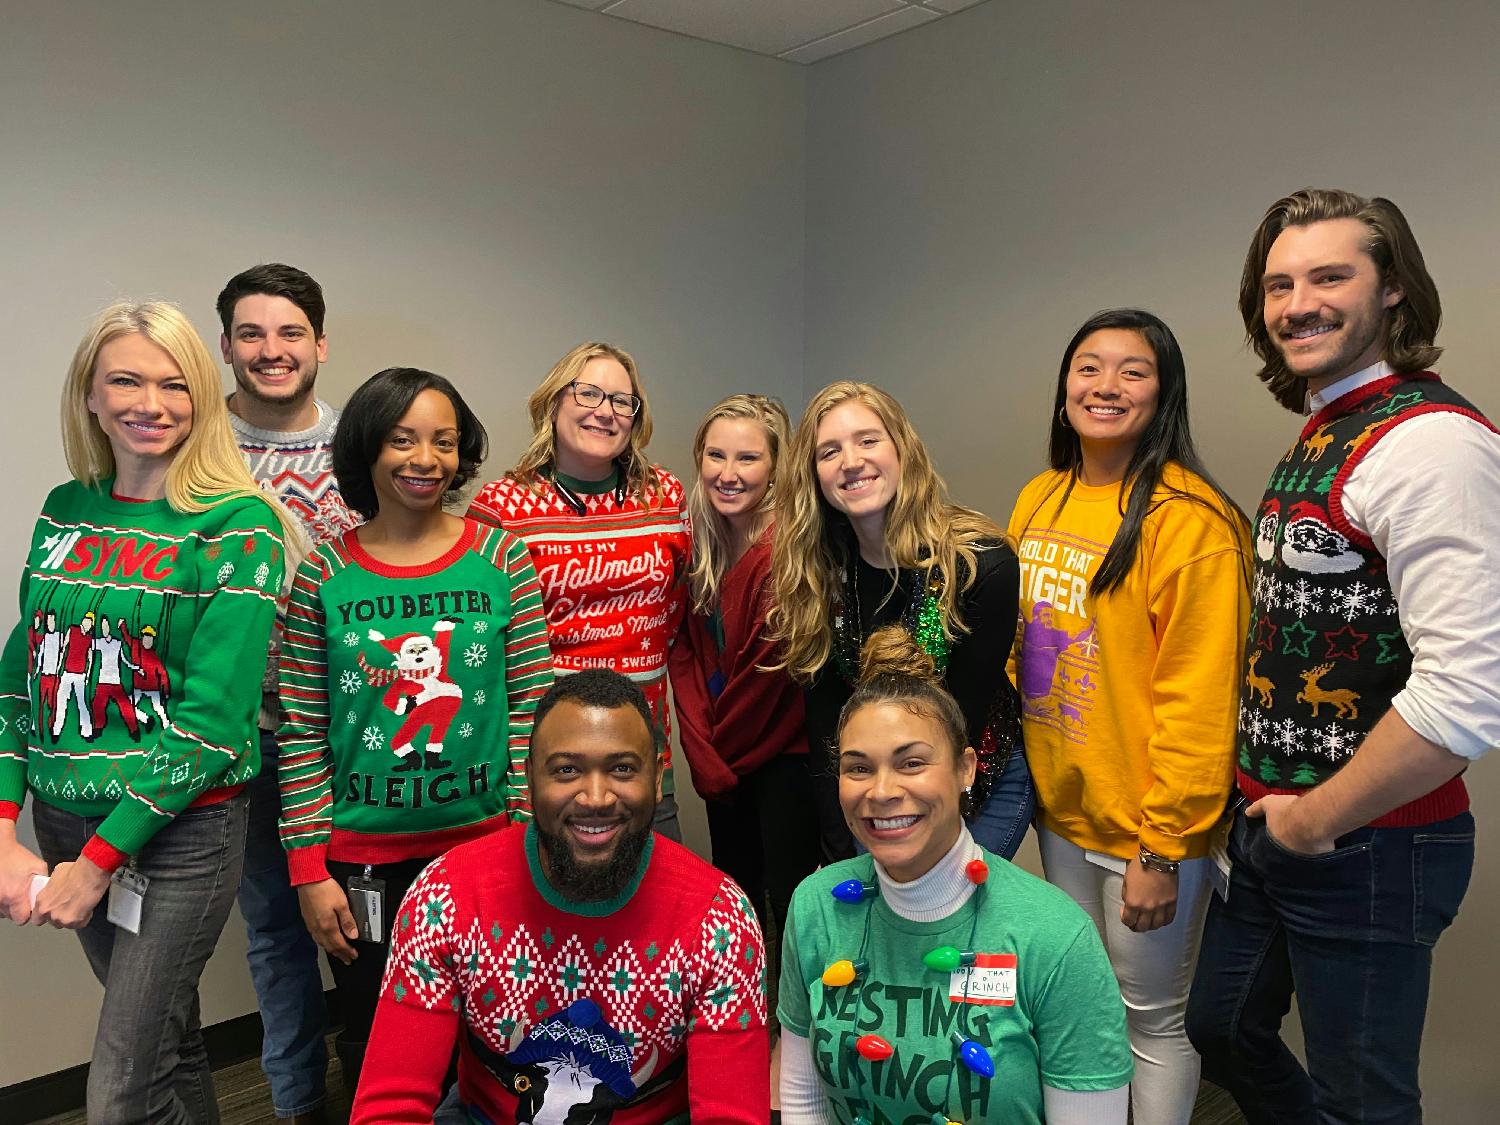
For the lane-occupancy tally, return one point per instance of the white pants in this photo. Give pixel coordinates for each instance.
(76, 686)
(1155, 971)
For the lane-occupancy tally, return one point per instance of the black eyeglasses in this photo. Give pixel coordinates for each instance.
(590, 396)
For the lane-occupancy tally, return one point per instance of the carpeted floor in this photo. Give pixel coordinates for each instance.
(244, 1099)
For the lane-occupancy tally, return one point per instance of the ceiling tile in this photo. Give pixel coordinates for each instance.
(594, 4)
(768, 26)
(940, 5)
(866, 32)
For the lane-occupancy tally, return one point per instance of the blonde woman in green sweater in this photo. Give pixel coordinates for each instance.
(128, 697)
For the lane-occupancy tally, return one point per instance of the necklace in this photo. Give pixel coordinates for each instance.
(969, 1052)
(922, 617)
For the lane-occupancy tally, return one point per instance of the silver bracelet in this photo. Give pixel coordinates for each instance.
(1153, 862)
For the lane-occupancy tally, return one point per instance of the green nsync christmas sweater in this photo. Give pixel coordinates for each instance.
(409, 693)
(130, 685)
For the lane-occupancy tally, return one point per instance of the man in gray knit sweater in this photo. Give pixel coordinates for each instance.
(273, 339)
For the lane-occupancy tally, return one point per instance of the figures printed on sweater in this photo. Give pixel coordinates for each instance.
(571, 1067)
(85, 665)
(418, 689)
(77, 663)
(47, 662)
(109, 688)
(151, 681)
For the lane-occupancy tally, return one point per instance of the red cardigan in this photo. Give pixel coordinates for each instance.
(758, 715)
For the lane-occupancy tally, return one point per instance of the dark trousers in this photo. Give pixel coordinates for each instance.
(282, 955)
(358, 984)
(1351, 933)
(765, 837)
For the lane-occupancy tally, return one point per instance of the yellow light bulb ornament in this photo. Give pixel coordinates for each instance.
(845, 972)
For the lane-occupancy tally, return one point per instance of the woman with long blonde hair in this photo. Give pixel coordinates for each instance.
(866, 536)
(741, 725)
(129, 693)
(605, 527)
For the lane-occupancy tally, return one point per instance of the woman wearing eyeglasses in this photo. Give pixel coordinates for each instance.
(605, 528)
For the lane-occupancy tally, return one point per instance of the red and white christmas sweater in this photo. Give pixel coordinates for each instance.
(613, 579)
(638, 1010)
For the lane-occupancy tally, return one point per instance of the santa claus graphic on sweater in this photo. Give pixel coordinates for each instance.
(419, 690)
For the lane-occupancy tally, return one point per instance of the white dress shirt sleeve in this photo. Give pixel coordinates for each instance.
(1428, 496)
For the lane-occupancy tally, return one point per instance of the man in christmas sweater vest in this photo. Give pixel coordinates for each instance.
(273, 341)
(587, 968)
(1373, 669)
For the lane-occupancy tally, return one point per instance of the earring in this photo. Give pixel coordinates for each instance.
(1062, 417)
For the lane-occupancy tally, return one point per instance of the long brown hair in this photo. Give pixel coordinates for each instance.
(923, 530)
(1411, 326)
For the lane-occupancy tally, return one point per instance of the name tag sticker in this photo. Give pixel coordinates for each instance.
(990, 980)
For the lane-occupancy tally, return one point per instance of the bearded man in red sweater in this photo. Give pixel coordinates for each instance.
(585, 967)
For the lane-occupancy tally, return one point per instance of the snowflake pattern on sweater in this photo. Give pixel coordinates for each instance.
(614, 997)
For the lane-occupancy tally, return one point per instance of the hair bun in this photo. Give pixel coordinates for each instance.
(892, 651)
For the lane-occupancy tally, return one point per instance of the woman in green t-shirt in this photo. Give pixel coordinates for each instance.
(932, 981)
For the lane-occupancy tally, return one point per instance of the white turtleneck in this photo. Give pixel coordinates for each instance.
(937, 894)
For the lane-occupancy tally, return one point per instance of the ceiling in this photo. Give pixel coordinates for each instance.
(801, 31)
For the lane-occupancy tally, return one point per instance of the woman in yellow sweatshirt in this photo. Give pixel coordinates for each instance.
(1134, 603)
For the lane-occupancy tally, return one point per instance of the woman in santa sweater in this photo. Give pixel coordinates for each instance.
(155, 569)
(415, 649)
(866, 536)
(1134, 602)
(605, 527)
(742, 726)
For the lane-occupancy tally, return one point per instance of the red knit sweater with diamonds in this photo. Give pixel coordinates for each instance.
(641, 1009)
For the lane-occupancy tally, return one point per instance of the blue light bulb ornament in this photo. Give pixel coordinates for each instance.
(974, 1056)
(948, 959)
(853, 891)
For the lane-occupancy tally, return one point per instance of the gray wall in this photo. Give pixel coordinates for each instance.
(977, 187)
(478, 187)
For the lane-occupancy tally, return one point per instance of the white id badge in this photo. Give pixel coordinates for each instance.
(367, 904)
(127, 893)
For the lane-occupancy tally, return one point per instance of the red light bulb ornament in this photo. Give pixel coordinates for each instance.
(874, 1048)
(977, 871)
(845, 972)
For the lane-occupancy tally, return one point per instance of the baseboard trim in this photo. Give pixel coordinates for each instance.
(230, 1042)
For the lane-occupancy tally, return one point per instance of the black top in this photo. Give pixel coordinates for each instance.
(976, 660)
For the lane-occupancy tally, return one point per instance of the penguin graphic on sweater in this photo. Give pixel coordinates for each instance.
(419, 690)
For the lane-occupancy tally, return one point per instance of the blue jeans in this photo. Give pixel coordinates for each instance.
(1351, 933)
(1001, 823)
(149, 1063)
(282, 955)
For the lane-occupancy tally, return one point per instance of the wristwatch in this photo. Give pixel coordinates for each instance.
(1153, 862)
